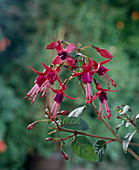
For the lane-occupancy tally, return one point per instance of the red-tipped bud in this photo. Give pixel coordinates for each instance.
(65, 156)
(49, 139)
(31, 125)
(104, 53)
(63, 112)
(118, 117)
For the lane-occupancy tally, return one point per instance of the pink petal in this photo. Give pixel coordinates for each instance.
(57, 60)
(70, 61)
(70, 97)
(89, 66)
(39, 73)
(70, 48)
(52, 45)
(56, 91)
(47, 68)
(104, 62)
(59, 48)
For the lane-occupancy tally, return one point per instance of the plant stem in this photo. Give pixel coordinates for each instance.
(133, 153)
(87, 134)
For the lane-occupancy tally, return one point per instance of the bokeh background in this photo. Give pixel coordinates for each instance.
(25, 28)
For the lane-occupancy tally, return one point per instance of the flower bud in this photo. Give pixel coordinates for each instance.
(63, 112)
(125, 109)
(31, 125)
(104, 53)
(65, 156)
(49, 139)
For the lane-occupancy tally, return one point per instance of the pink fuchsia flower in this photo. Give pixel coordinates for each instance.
(57, 100)
(86, 76)
(103, 52)
(103, 99)
(101, 70)
(43, 81)
(63, 54)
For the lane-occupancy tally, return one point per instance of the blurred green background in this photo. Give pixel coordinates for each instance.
(25, 28)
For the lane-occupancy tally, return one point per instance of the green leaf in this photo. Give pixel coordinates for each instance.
(127, 140)
(76, 112)
(84, 148)
(100, 148)
(137, 116)
(75, 123)
(118, 127)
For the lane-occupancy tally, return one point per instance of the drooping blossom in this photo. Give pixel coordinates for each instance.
(57, 100)
(101, 70)
(43, 81)
(103, 99)
(63, 54)
(86, 76)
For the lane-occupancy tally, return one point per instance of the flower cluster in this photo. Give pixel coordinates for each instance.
(82, 67)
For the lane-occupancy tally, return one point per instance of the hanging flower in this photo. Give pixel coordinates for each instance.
(57, 100)
(103, 99)
(101, 70)
(43, 81)
(63, 54)
(86, 76)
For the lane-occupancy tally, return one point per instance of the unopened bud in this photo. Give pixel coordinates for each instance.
(31, 125)
(125, 109)
(49, 139)
(63, 112)
(104, 53)
(118, 117)
(65, 156)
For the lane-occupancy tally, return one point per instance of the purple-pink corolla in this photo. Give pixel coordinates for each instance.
(57, 100)
(103, 99)
(101, 70)
(63, 54)
(43, 81)
(86, 76)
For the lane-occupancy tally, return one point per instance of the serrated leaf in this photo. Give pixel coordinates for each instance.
(127, 140)
(100, 148)
(84, 148)
(75, 123)
(137, 116)
(118, 127)
(76, 112)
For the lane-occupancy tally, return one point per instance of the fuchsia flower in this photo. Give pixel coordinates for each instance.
(43, 81)
(101, 70)
(86, 76)
(57, 100)
(103, 99)
(63, 54)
